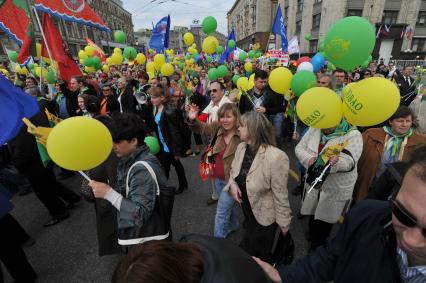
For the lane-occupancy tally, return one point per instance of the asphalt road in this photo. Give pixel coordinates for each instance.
(68, 252)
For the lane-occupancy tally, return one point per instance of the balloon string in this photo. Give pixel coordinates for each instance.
(84, 176)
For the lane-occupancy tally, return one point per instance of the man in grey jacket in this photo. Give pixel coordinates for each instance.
(135, 206)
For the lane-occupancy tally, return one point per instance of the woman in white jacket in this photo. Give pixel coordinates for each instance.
(327, 204)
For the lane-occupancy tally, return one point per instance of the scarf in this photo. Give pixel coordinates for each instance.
(393, 141)
(341, 130)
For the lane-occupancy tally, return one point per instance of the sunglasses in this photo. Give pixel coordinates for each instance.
(404, 216)
(214, 90)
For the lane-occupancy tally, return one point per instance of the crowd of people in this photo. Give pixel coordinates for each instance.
(241, 139)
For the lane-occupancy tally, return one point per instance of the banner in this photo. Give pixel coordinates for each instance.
(282, 57)
(14, 19)
(71, 10)
(160, 35)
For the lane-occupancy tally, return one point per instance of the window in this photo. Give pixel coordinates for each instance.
(313, 46)
(421, 20)
(354, 12)
(316, 20)
(299, 6)
(418, 44)
(298, 27)
(390, 17)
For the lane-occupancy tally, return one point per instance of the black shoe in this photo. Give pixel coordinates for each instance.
(73, 202)
(211, 201)
(180, 190)
(56, 220)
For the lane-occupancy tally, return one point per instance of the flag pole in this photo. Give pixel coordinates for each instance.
(45, 41)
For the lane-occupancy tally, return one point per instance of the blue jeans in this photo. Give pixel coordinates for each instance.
(277, 121)
(226, 219)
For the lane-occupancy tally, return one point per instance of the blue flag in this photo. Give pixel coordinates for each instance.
(279, 28)
(228, 51)
(15, 104)
(160, 35)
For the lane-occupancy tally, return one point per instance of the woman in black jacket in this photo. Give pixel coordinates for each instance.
(170, 132)
(126, 99)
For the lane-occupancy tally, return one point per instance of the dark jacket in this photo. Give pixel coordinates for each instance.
(112, 105)
(407, 91)
(273, 102)
(389, 182)
(225, 262)
(137, 207)
(128, 100)
(364, 250)
(172, 128)
(72, 101)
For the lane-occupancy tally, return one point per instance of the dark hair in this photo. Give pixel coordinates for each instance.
(127, 126)
(92, 104)
(260, 74)
(402, 112)
(222, 86)
(80, 79)
(32, 78)
(161, 262)
(338, 70)
(417, 162)
(143, 75)
(33, 90)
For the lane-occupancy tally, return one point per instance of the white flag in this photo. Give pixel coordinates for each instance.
(293, 46)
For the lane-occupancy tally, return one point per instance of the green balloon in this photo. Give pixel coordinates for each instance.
(222, 71)
(13, 56)
(96, 60)
(120, 36)
(321, 46)
(209, 25)
(308, 36)
(212, 74)
(209, 59)
(232, 43)
(188, 56)
(31, 66)
(348, 42)
(89, 62)
(258, 54)
(331, 67)
(130, 53)
(153, 144)
(302, 81)
(50, 77)
(243, 56)
(235, 79)
(252, 54)
(219, 49)
(181, 65)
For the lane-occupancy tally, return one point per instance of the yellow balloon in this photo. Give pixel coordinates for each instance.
(118, 50)
(79, 143)
(167, 69)
(151, 75)
(370, 101)
(39, 71)
(38, 50)
(248, 67)
(242, 84)
(210, 44)
(47, 60)
(82, 61)
(159, 61)
(108, 61)
(280, 80)
(82, 54)
(116, 59)
(105, 68)
(90, 51)
(17, 68)
(140, 58)
(188, 38)
(4, 72)
(251, 82)
(89, 70)
(191, 50)
(150, 67)
(345, 89)
(320, 108)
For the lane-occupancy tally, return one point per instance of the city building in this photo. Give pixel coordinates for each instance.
(400, 25)
(252, 22)
(74, 35)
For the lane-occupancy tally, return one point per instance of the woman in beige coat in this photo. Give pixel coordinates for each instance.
(258, 182)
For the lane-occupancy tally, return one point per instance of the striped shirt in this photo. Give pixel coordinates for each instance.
(415, 274)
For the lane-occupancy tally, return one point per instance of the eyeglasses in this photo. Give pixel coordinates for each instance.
(404, 216)
(214, 90)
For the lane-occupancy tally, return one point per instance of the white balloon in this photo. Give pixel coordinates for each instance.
(305, 66)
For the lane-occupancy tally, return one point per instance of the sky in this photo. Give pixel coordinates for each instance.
(182, 12)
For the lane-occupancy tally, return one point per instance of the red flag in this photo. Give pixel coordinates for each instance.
(28, 48)
(67, 67)
(14, 19)
(71, 10)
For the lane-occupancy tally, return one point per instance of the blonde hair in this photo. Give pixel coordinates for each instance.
(229, 107)
(260, 129)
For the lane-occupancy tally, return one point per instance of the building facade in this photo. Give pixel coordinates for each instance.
(400, 24)
(74, 35)
(252, 22)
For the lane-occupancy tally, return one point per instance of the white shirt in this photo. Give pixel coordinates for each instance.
(212, 109)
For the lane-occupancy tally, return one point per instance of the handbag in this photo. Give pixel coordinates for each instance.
(158, 225)
(208, 160)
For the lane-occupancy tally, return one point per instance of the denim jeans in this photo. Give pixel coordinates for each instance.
(277, 121)
(226, 219)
